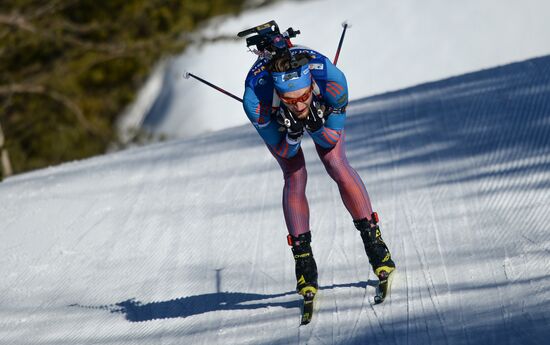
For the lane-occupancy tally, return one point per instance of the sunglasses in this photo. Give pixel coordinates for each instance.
(301, 99)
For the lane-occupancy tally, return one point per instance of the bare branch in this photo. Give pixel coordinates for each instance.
(81, 28)
(50, 8)
(59, 97)
(20, 22)
(17, 21)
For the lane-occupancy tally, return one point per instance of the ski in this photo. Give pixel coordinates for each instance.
(384, 286)
(307, 308)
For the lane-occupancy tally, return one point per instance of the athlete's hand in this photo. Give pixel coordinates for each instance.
(294, 127)
(316, 118)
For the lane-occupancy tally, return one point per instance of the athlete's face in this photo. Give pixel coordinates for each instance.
(298, 101)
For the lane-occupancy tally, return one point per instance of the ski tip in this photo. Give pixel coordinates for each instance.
(381, 294)
(383, 290)
(306, 318)
(307, 308)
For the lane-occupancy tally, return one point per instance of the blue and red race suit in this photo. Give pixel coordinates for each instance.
(333, 94)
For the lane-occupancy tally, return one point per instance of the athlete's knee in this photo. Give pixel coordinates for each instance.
(297, 176)
(337, 169)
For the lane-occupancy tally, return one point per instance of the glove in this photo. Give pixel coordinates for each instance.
(316, 118)
(294, 127)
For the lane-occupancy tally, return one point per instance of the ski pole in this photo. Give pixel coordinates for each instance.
(345, 25)
(186, 75)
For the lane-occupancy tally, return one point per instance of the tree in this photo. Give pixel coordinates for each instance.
(69, 68)
(4, 158)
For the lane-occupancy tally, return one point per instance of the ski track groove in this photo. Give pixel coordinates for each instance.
(424, 200)
(470, 126)
(407, 293)
(362, 311)
(333, 315)
(378, 320)
(394, 156)
(503, 295)
(394, 191)
(427, 274)
(505, 315)
(420, 300)
(493, 160)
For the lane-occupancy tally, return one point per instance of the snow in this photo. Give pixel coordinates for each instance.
(391, 45)
(183, 242)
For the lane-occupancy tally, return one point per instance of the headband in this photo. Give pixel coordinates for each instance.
(293, 79)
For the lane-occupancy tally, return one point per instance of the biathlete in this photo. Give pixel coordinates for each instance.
(295, 91)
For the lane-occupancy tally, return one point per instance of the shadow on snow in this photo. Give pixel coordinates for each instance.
(136, 311)
(495, 123)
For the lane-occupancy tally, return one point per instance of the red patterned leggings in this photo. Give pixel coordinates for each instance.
(351, 187)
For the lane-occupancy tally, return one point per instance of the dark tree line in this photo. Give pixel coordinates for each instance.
(69, 67)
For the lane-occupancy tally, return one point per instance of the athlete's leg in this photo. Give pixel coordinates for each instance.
(295, 205)
(352, 190)
(296, 211)
(357, 201)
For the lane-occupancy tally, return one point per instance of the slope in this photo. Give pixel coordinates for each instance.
(183, 242)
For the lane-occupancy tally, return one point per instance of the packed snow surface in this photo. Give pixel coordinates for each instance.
(183, 242)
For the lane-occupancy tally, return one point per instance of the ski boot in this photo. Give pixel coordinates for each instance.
(378, 254)
(306, 273)
(306, 268)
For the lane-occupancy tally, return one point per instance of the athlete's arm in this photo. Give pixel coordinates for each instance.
(259, 113)
(335, 96)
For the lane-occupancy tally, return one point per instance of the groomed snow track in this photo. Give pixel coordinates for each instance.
(184, 242)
